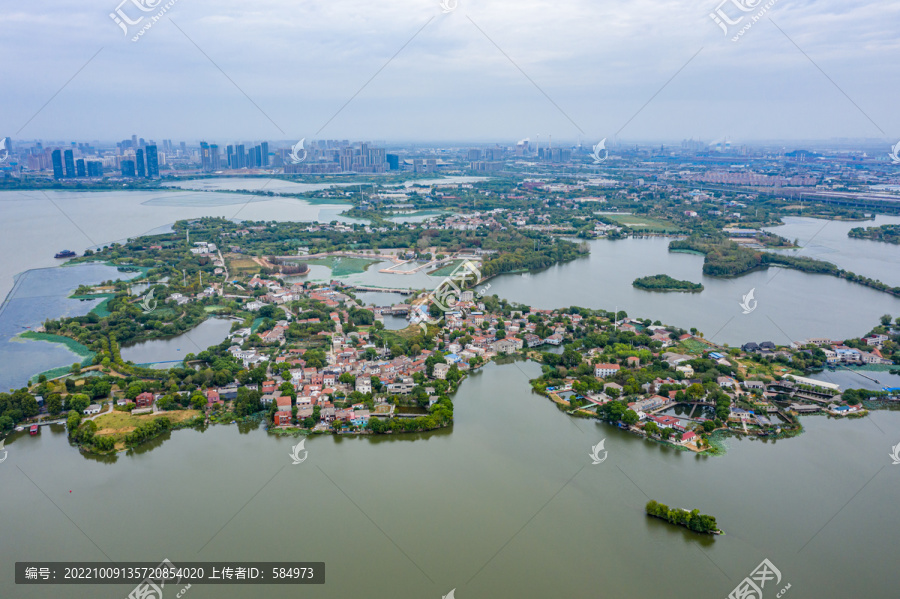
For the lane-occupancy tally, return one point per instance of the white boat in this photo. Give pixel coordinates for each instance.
(20, 429)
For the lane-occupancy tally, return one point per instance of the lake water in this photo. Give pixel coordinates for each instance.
(791, 306)
(81, 220)
(40, 294)
(504, 504)
(827, 240)
(209, 332)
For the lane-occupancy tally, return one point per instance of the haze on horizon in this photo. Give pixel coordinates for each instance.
(503, 70)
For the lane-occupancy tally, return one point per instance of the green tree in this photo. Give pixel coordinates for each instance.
(54, 404)
(630, 417)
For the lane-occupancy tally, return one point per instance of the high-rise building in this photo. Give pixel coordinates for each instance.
(69, 163)
(205, 160)
(57, 164)
(128, 168)
(79, 168)
(139, 163)
(152, 162)
(94, 168)
(183, 150)
(214, 160)
(473, 154)
(264, 151)
(229, 156)
(346, 159)
(240, 156)
(393, 161)
(493, 154)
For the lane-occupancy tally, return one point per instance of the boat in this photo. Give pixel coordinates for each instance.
(34, 429)
(20, 429)
(65, 254)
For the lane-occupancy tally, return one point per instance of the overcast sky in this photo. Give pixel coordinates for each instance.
(497, 70)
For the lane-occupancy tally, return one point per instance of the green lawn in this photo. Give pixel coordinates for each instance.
(71, 344)
(100, 309)
(644, 223)
(447, 270)
(341, 266)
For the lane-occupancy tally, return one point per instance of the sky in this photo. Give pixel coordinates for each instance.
(480, 71)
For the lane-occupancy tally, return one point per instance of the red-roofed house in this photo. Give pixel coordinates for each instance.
(144, 400)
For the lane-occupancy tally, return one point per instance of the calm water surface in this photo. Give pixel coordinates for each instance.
(506, 504)
(209, 332)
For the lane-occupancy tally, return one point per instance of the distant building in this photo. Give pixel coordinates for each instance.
(79, 168)
(56, 156)
(152, 162)
(94, 168)
(140, 164)
(205, 157)
(128, 168)
(69, 163)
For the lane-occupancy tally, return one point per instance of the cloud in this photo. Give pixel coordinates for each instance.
(497, 70)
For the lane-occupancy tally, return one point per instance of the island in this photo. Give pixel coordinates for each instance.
(665, 283)
(690, 519)
(307, 356)
(884, 233)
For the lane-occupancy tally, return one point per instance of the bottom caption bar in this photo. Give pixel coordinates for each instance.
(160, 574)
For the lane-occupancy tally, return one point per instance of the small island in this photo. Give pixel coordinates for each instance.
(884, 233)
(693, 520)
(665, 283)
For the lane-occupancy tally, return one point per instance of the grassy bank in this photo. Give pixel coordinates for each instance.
(71, 344)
